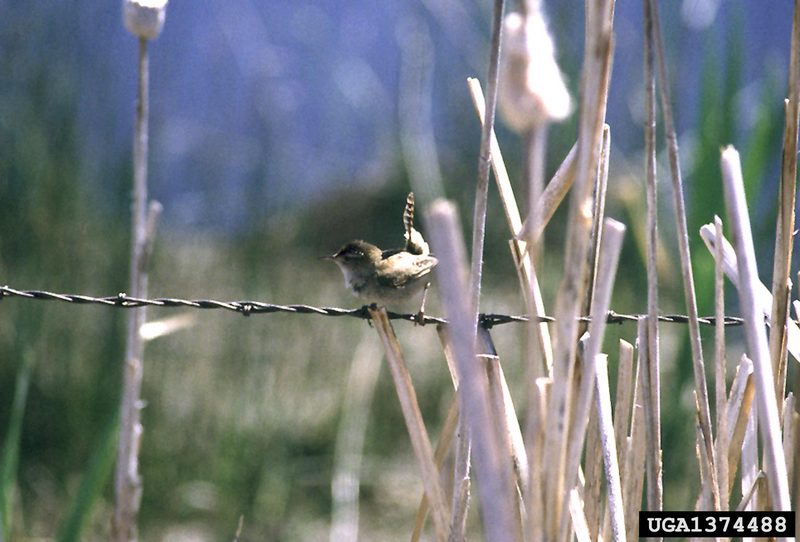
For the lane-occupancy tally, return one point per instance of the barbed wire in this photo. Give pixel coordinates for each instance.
(246, 308)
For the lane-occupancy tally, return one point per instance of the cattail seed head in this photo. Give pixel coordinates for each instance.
(144, 18)
(532, 91)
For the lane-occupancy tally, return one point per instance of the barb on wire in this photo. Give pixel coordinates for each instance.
(246, 308)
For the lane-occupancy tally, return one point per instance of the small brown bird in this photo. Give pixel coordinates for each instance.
(388, 276)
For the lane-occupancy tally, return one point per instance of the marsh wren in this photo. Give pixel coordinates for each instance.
(388, 276)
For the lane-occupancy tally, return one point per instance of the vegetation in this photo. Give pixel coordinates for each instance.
(253, 416)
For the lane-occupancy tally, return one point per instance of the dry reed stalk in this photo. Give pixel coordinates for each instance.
(128, 483)
(439, 455)
(633, 474)
(552, 196)
(704, 497)
(413, 418)
(784, 228)
(349, 447)
(535, 445)
(616, 508)
(762, 294)
(655, 490)
(502, 413)
(580, 526)
(478, 238)
(572, 291)
(796, 455)
(484, 161)
(720, 375)
(789, 434)
(687, 275)
(462, 464)
(528, 277)
(534, 161)
(460, 493)
(738, 407)
(449, 356)
(606, 272)
(596, 238)
(492, 468)
(748, 492)
(755, 333)
(593, 476)
(505, 410)
(530, 285)
(626, 381)
(650, 400)
(599, 212)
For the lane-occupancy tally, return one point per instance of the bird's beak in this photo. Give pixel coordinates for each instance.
(331, 257)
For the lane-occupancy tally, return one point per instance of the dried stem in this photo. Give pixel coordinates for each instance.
(598, 215)
(572, 291)
(633, 477)
(789, 433)
(413, 418)
(616, 508)
(626, 382)
(580, 526)
(593, 476)
(721, 453)
(500, 521)
(654, 473)
(552, 196)
(738, 408)
(784, 229)
(505, 410)
(439, 455)
(528, 277)
(755, 332)
(763, 295)
(484, 160)
(128, 484)
(607, 266)
(461, 458)
(535, 153)
(679, 206)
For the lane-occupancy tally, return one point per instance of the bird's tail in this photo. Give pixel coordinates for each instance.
(415, 244)
(408, 215)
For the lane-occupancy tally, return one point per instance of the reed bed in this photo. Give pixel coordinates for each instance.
(560, 461)
(590, 465)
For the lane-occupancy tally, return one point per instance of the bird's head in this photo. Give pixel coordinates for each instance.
(356, 255)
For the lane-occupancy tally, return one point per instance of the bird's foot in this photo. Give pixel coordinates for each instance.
(419, 318)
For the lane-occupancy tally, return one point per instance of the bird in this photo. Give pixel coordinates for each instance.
(388, 277)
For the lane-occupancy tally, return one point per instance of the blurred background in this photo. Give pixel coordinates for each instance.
(279, 130)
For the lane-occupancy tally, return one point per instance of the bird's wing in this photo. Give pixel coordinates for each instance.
(403, 267)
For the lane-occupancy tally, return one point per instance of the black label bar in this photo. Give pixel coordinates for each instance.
(714, 524)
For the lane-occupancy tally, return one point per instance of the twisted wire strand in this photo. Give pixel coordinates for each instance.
(246, 308)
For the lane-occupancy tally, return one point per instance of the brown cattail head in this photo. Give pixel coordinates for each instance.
(531, 91)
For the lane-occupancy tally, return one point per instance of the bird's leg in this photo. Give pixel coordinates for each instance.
(419, 318)
(373, 306)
